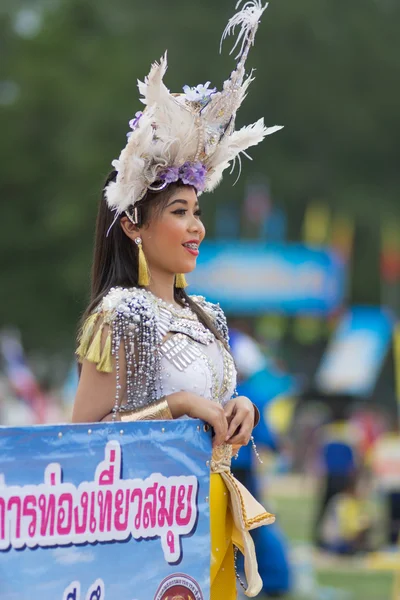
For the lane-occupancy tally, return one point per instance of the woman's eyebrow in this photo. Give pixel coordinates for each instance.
(181, 201)
(178, 200)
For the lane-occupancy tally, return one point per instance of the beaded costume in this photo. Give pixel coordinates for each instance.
(165, 349)
(140, 322)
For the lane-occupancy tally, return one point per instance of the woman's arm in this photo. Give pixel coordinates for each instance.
(196, 407)
(177, 405)
(95, 397)
(95, 400)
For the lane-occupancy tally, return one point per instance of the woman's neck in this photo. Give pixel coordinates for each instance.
(162, 286)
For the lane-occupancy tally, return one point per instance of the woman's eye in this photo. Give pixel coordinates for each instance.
(183, 211)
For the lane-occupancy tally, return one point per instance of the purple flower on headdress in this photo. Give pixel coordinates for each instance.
(133, 123)
(200, 93)
(170, 175)
(189, 173)
(194, 174)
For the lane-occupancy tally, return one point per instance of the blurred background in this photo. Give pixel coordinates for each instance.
(303, 252)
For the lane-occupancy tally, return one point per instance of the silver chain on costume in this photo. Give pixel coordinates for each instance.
(235, 552)
(235, 394)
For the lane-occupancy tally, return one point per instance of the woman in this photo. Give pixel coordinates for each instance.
(148, 350)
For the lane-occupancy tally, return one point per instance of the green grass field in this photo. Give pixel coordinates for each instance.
(292, 500)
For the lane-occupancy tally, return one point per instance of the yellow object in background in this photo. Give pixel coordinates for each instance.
(316, 224)
(279, 413)
(342, 235)
(351, 516)
(308, 329)
(272, 326)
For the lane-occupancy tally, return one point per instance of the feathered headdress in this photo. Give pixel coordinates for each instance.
(191, 136)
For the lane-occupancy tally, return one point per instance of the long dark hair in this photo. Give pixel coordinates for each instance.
(115, 259)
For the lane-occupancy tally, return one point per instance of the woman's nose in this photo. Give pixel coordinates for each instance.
(198, 228)
(194, 224)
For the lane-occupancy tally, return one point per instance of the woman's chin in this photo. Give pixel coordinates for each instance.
(188, 267)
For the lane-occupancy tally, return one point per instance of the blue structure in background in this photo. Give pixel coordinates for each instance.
(355, 355)
(256, 277)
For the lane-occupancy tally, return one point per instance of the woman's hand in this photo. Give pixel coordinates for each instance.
(185, 403)
(240, 415)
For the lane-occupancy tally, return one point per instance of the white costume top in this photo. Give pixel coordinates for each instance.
(194, 360)
(165, 347)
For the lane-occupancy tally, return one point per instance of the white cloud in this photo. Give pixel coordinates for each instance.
(36, 571)
(72, 556)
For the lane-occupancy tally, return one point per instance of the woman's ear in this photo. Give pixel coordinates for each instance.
(129, 228)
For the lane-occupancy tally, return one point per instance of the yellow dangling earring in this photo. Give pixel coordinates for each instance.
(180, 281)
(143, 269)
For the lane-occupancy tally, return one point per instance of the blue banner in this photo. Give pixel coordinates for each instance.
(354, 357)
(256, 277)
(116, 511)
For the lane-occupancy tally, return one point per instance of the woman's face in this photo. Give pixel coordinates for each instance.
(172, 238)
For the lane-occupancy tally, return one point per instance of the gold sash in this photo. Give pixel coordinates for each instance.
(247, 514)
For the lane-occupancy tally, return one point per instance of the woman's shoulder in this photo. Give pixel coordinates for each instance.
(216, 313)
(119, 309)
(123, 301)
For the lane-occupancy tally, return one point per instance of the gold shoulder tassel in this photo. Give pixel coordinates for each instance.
(105, 363)
(86, 335)
(93, 353)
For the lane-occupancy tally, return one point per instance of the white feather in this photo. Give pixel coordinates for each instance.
(153, 88)
(131, 164)
(232, 146)
(239, 141)
(250, 135)
(247, 18)
(215, 176)
(175, 123)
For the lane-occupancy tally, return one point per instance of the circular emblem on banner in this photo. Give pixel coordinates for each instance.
(179, 587)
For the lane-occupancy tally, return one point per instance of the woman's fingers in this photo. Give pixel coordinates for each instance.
(242, 427)
(242, 415)
(229, 409)
(234, 425)
(220, 425)
(242, 438)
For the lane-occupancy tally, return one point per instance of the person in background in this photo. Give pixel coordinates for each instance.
(385, 465)
(339, 460)
(346, 524)
(263, 382)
